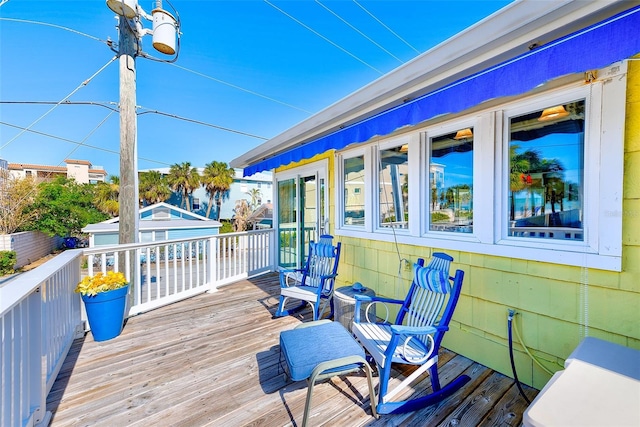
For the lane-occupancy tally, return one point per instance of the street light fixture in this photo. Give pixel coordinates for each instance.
(126, 8)
(165, 27)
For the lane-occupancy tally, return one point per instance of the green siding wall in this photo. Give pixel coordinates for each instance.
(549, 299)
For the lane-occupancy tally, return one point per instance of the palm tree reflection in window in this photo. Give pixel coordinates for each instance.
(546, 164)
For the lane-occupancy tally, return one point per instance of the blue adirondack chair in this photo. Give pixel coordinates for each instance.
(415, 336)
(314, 283)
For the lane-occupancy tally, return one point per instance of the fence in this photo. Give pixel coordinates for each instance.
(41, 314)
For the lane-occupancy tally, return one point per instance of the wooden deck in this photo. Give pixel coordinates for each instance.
(212, 360)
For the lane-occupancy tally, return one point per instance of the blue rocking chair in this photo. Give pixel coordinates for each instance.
(415, 337)
(314, 283)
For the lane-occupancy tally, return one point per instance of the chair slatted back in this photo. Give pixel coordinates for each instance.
(428, 294)
(322, 261)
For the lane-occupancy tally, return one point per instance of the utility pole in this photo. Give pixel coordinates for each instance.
(130, 33)
(128, 197)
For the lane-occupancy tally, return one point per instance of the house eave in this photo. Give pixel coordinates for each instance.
(508, 32)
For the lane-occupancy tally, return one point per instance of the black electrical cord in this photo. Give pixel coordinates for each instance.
(513, 365)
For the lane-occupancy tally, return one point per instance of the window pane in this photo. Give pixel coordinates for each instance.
(451, 182)
(546, 164)
(394, 187)
(287, 224)
(354, 191)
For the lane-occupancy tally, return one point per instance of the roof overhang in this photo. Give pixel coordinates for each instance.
(154, 225)
(512, 32)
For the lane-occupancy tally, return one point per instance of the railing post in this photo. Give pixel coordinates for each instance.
(273, 249)
(35, 354)
(213, 263)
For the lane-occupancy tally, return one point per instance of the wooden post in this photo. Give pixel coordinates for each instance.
(128, 197)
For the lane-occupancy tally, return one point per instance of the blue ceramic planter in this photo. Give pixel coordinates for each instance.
(106, 313)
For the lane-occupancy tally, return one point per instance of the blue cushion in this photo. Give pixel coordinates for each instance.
(305, 348)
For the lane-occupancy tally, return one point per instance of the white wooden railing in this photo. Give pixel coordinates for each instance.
(40, 319)
(41, 314)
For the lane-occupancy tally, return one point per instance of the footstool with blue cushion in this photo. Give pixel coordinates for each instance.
(319, 350)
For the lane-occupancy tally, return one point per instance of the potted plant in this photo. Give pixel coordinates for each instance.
(105, 300)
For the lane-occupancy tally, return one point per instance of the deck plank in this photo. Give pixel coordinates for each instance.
(213, 360)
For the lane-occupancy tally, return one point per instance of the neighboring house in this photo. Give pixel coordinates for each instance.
(161, 221)
(239, 190)
(81, 170)
(262, 217)
(525, 129)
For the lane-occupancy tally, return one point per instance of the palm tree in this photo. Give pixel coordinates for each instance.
(255, 195)
(519, 164)
(106, 196)
(242, 212)
(531, 161)
(153, 187)
(217, 179)
(184, 179)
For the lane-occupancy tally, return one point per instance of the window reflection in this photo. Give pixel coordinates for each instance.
(451, 182)
(354, 191)
(394, 187)
(546, 164)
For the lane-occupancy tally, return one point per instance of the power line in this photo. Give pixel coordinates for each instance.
(390, 30)
(110, 44)
(48, 135)
(105, 104)
(359, 32)
(46, 24)
(241, 88)
(78, 144)
(81, 143)
(323, 37)
(174, 116)
(149, 111)
(83, 84)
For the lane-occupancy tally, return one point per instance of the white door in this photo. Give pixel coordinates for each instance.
(301, 204)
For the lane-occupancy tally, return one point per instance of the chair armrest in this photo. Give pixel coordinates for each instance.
(284, 273)
(367, 298)
(412, 330)
(360, 299)
(408, 332)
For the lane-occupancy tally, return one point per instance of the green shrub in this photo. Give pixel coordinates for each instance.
(227, 227)
(438, 217)
(287, 239)
(7, 261)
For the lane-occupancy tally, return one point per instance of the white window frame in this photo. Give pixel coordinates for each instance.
(603, 169)
(412, 141)
(482, 159)
(319, 169)
(539, 104)
(340, 188)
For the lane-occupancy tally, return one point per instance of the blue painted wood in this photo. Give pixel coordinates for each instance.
(415, 337)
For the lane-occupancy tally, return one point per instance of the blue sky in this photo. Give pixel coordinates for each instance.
(255, 67)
